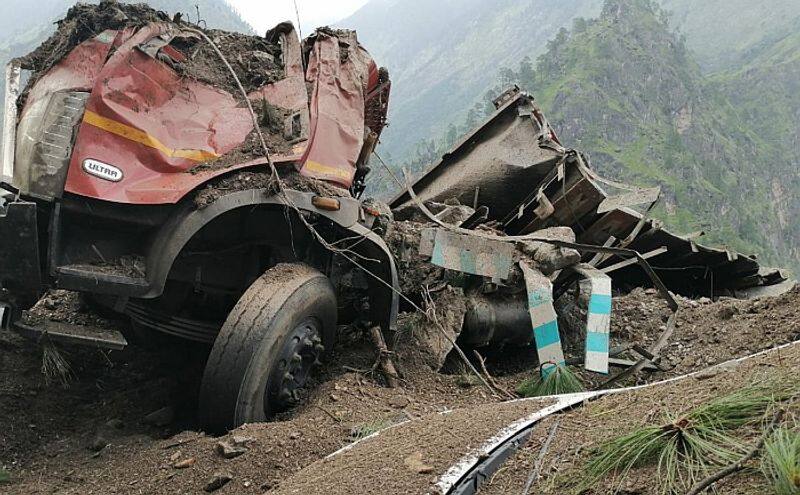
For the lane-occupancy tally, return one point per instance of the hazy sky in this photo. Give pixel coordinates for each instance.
(264, 14)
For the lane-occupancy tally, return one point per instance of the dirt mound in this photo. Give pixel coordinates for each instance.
(84, 21)
(255, 60)
(249, 180)
(405, 458)
(706, 332)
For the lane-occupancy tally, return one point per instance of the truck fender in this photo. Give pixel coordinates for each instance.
(372, 253)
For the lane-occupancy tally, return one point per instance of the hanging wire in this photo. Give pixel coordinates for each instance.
(297, 14)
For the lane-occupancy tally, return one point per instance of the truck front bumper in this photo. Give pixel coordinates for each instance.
(20, 268)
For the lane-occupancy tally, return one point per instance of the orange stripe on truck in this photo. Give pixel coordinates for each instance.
(141, 137)
(320, 168)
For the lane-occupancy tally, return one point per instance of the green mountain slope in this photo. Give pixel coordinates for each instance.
(626, 89)
(443, 56)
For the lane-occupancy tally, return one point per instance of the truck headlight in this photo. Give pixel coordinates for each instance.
(45, 136)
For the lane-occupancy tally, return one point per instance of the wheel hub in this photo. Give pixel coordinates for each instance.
(300, 354)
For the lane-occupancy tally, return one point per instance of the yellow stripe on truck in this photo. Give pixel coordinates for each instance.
(320, 168)
(141, 137)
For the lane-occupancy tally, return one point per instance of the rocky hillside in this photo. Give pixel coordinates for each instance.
(629, 88)
(626, 89)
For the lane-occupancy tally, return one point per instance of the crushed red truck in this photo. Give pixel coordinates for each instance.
(135, 172)
(107, 149)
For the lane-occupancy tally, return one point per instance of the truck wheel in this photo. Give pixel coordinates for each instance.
(267, 347)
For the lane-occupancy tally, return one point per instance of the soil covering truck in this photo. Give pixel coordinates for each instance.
(134, 171)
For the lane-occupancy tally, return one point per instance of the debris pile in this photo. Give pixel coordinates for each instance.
(256, 61)
(536, 255)
(84, 21)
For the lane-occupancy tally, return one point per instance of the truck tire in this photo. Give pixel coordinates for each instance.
(267, 347)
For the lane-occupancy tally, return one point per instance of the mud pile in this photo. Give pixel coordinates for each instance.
(255, 60)
(250, 180)
(84, 21)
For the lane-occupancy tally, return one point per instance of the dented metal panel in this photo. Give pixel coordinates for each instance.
(501, 159)
(338, 70)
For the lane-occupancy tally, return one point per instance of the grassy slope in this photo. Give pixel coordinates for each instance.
(722, 32)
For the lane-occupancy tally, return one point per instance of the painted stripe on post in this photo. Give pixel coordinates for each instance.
(597, 342)
(600, 304)
(596, 359)
(546, 334)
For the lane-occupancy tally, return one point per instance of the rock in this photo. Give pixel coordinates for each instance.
(161, 417)
(115, 423)
(185, 463)
(242, 441)
(727, 312)
(98, 443)
(217, 481)
(414, 463)
(229, 450)
(716, 370)
(550, 258)
(399, 402)
(455, 214)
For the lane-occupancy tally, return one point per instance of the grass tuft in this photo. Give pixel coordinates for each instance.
(559, 381)
(5, 476)
(54, 366)
(366, 429)
(781, 461)
(686, 447)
